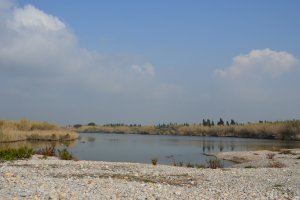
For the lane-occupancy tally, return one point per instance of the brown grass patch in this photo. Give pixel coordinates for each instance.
(276, 164)
(11, 131)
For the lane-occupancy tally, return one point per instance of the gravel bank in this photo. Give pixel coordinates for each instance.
(51, 178)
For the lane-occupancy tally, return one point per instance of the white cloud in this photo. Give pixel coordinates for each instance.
(35, 44)
(40, 58)
(145, 69)
(31, 18)
(258, 63)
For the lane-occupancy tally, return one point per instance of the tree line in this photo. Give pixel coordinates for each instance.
(205, 122)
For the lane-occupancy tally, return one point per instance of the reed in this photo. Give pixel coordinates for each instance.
(12, 131)
(282, 130)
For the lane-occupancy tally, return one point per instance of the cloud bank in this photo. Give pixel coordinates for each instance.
(265, 62)
(41, 61)
(259, 85)
(46, 75)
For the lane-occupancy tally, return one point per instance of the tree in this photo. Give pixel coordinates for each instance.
(77, 126)
(232, 122)
(221, 122)
(204, 122)
(208, 122)
(212, 123)
(91, 124)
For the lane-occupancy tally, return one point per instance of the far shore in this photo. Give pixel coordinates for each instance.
(281, 130)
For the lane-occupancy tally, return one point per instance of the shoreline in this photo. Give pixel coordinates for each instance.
(39, 140)
(39, 178)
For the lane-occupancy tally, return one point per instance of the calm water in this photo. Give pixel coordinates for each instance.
(142, 148)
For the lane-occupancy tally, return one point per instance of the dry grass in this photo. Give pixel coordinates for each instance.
(276, 164)
(283, 130)
(11, 131)
(270, 156)
(154, 161)
(46, 151)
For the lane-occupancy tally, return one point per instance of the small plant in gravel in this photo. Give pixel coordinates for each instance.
(46, 151)
(270, 156)
(199, 166)
(15, 154)
(215, 163)
(154, 161)
(285, 151)
(65, 155)
(174, 163)
(190, 165)
(278, 185)
(276, 164)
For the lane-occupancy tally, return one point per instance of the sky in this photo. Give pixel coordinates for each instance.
(149, 62)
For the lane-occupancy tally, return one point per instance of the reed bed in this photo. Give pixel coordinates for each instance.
(282, 130)
(12, 131)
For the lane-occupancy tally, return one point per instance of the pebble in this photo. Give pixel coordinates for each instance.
(38, 179)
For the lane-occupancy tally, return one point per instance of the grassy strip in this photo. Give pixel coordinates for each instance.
(12, 131)
(25, 153)
(15, 154)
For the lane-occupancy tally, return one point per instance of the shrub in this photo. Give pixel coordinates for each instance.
(285, 151)
(276, 164)
(199, 166)
(190, 165)
(77, 126)
(65, 155)
(215, 163)
(91, 124)
(14, 154)
(174, 163)
(154, 161)
(270, 156)
(43, 126)
(24, 125)
(47, 151)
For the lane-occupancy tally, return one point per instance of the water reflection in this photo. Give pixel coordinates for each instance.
(142, 148)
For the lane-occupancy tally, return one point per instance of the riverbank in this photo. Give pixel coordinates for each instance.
(281, 130)
(14, 131)
(39, 178)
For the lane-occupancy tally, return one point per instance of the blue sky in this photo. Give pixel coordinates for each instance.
(181, 45)
(195, 36)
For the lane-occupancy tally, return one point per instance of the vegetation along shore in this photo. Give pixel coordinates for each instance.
(282, 130)
(12, 131)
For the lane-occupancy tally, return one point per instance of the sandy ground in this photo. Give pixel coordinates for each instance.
(255, 177)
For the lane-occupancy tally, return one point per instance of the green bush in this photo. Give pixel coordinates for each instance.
(65, 155)
(14, 154)
(190, 165)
